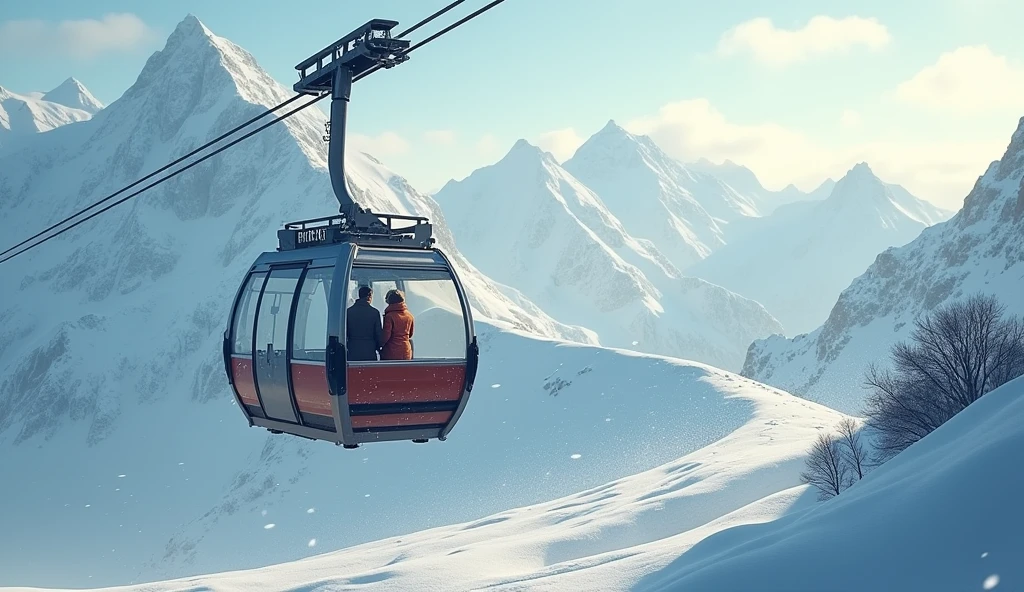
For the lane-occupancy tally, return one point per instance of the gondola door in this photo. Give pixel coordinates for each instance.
(270, 346)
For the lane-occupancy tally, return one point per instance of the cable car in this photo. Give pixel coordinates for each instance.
(286, 352)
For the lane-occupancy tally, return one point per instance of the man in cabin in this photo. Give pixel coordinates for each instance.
(363, 328)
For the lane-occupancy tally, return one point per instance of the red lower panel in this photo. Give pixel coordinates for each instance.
(386, 384)
(399, 419)
(310, 386)
(241, 370)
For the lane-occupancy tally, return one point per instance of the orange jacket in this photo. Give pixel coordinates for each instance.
(398, 328)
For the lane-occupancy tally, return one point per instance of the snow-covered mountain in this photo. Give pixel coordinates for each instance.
(25, 114)
(797, 261)
(979, 250)
(656, 197)
(744, 181)
(72, 93)
(943, 516)
(529, 223)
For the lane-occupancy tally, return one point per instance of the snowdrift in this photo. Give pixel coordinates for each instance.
(946, 514)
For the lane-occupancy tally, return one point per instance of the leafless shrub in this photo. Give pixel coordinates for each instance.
(854, 451)
(826, 468)
(955, 356)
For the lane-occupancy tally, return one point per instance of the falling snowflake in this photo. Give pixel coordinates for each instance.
(311, 510)
(312, 543)
(269, 526)
(121, 476)
(991, 582)
(496, 385)
(575, 456)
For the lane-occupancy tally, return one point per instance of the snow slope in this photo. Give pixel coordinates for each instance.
(797, 261)
(531, 224)
(622, 413)
(943, 516)
(979, 250)
(22, 115)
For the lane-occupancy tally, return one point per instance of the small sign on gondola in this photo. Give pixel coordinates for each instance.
(311, 236)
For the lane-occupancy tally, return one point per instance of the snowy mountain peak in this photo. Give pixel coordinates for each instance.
(614, 142)
(525, 155)
(614, 129)
(72, 93)
(861, 170)
(190, 28)
(859, 184)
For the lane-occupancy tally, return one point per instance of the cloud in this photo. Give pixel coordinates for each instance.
(850, 119)
(823, 35)
(487, 144)
(382, 145)
(80, 39)
(939, 171)
(440, 137)
(562, 143)
(969, 79)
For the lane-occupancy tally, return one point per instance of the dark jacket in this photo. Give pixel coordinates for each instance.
(363, 332)
(398, 328)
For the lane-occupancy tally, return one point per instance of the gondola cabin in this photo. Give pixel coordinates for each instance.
(286, 347)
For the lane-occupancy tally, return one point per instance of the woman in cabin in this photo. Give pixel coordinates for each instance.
(398, 328)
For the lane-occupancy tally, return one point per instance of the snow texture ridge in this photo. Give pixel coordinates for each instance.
(977, 251)
(798, 260)
(531, 224)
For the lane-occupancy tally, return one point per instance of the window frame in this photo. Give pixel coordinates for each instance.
(445, 274)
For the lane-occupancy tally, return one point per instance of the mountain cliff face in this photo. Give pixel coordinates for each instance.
(529, 223)
(22, 115)
(979, 250)
(797, 261)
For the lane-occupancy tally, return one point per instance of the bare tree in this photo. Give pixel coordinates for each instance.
(854, 451)
(956, 355)
(826, 468)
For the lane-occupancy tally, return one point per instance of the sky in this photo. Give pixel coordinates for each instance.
(928, 92)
